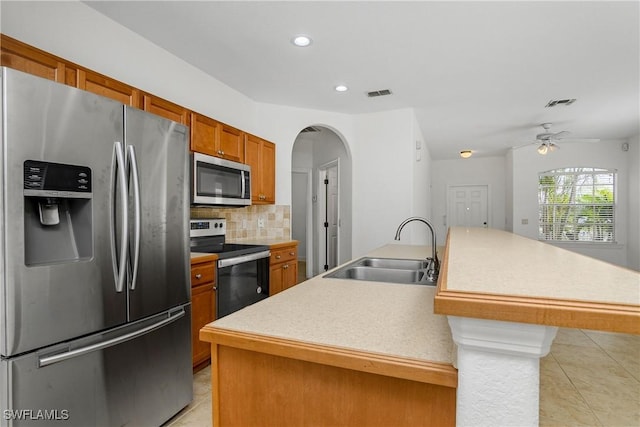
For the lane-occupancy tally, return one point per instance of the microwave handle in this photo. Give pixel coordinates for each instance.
(244, 182)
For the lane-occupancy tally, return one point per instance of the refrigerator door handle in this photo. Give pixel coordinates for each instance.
(60, 357)
(119, 177)
(133, 168)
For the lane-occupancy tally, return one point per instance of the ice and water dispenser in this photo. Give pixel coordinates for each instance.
(57, 213)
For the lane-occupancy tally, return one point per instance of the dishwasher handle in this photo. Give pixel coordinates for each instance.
(60, 357)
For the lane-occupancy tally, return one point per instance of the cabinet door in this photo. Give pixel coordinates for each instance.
(203, 134)
(202, 312)
(166, 109)
(252, 158)
(261, 156)
(275, 279)
(290, 274)
(28, 59)
(105, 86)
(231, 145)
(268, 171)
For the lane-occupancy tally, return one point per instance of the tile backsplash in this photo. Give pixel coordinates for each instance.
(242, 223)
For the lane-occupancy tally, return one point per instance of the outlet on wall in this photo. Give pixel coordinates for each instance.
(260, 222)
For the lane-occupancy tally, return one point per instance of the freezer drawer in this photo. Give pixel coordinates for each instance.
(142, 381)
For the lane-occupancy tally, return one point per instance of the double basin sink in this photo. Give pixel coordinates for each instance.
(389, 270)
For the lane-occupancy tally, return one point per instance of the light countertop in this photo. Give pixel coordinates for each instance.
(392, 319)
(495, 274)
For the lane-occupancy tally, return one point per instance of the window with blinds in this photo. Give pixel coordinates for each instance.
(577, 204)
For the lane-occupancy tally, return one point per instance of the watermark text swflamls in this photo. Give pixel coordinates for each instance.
(36, 414)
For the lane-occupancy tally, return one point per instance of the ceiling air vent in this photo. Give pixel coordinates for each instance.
(556, 102)
(375, 93)
(310, 129)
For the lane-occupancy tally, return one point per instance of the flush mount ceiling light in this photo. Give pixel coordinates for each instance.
(301, 40)
(465, 154)
(341, 88)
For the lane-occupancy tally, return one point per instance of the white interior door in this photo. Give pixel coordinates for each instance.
(328, 214)
(332, 215)
(468, 206)
(301, 216)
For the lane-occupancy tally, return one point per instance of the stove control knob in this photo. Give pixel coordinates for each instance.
(259, 290)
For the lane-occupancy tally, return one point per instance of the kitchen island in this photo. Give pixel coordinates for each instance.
(505, 296)
(502, 295)
(336, 352)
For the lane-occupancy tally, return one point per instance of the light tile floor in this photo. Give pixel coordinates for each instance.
(589, 378)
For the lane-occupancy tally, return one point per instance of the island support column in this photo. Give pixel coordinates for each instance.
(499, 371)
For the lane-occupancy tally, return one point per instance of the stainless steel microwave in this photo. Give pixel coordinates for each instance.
(217, 181)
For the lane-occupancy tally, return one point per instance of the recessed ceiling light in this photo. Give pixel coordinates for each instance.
(301, 40)
(341, 88)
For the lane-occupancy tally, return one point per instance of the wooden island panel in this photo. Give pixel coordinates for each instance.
(266, 381)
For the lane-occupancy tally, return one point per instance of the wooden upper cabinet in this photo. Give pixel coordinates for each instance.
(216, 139)
(101, 85)
(28, 59)
(268, 175)
(231, 143)
(164, 108)
(204, 132)
(261, 156)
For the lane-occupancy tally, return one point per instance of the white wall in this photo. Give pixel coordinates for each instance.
(381, 144)
(489, 171)
(382, 177)
(417, 233)
(633, 243)
(527, 163)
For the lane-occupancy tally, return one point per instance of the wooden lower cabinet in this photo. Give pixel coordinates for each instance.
(203, 307)
(264, 381)
(283, 267)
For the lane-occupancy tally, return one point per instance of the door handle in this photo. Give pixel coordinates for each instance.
(60, 357)
(133, 168)
(119, 177)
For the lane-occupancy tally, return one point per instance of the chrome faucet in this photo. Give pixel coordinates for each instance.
(433, 273)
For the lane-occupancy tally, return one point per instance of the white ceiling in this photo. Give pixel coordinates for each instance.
(478, 74)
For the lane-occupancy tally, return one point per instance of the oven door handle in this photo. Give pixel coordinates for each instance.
(243, 258)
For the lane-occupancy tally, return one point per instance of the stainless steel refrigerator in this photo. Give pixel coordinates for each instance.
(94, 294)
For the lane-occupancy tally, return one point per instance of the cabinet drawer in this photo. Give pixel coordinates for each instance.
(202, 274)
(283, 255)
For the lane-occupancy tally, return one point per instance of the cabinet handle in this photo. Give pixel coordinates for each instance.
(292, 253)
(198, 276)
(285, 266)
(277, 256)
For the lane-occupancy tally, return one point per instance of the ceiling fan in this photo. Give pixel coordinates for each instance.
(548, 140)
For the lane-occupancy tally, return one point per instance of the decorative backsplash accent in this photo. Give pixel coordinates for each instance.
(242, 223)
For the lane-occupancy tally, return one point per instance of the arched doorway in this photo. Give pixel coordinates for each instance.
(321, 186)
